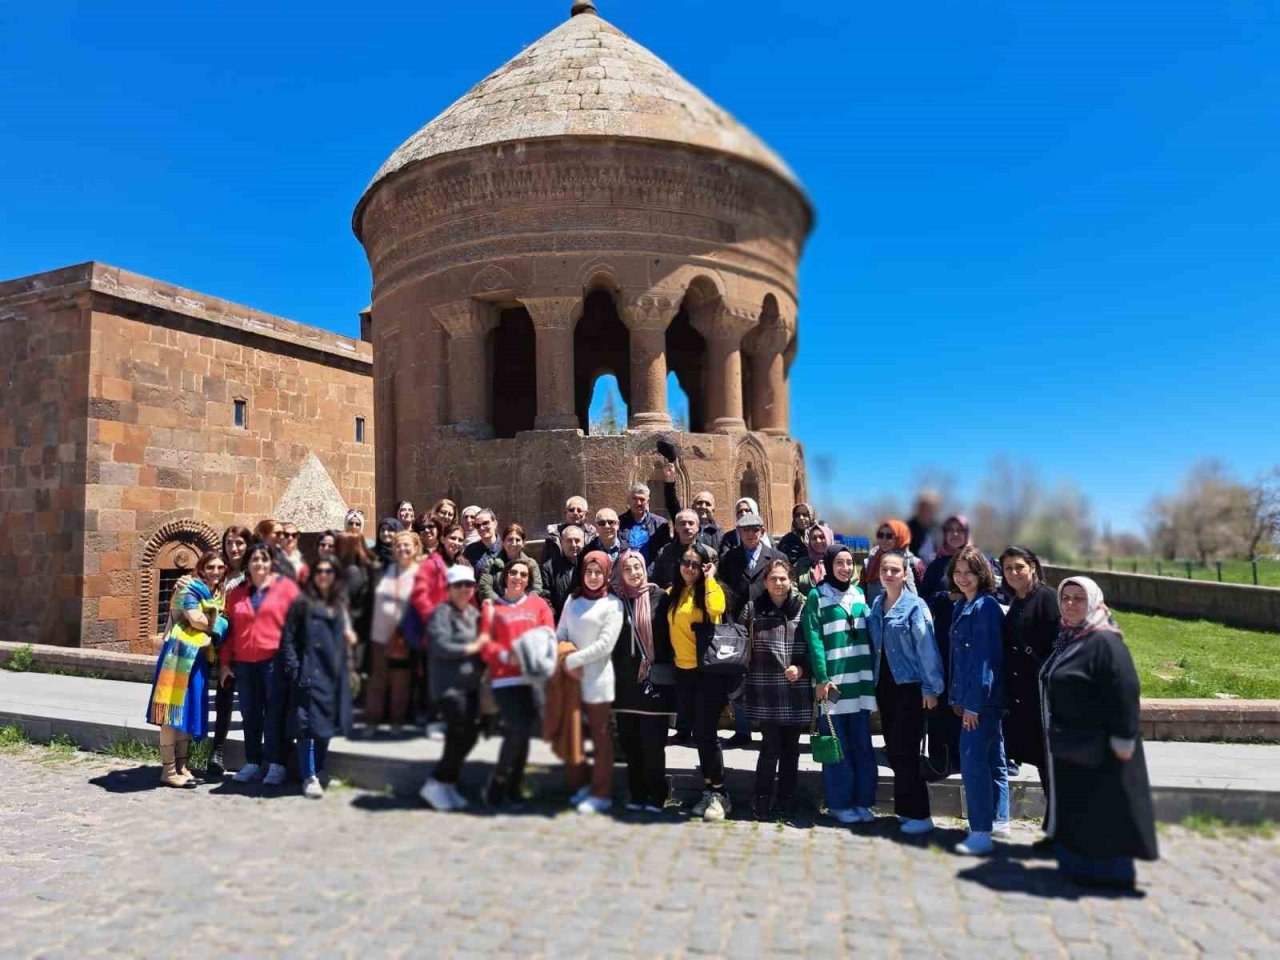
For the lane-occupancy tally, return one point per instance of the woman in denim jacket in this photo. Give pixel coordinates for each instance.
(977, 697)
(908, 675)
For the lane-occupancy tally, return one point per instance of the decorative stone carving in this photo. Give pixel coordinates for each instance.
(491, 281)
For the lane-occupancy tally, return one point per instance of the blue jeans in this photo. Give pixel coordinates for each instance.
(982, 768)
(261, 711)
(311, 754)
(852, 782)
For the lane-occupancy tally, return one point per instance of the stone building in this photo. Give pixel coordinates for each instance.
(583, 210)
(137, 421)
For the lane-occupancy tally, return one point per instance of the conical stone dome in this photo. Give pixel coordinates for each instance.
(585, 78)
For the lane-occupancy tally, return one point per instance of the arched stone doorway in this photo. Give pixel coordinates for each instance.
(686, 358)
(167, 555)
(601, 344)
(514, 388)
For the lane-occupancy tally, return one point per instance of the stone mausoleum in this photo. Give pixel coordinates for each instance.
(583, 210)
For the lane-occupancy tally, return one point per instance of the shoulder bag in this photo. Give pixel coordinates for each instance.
(724, 649)
(825, 749)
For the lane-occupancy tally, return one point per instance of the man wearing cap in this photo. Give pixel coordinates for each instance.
(741, 571)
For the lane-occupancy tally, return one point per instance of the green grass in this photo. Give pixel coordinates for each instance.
(1196, 658)
(21, 660)
(126, 747)
(13, 737)
(1233, 571)
(1207, 825)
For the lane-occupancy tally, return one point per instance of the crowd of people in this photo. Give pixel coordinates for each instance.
(635, 625)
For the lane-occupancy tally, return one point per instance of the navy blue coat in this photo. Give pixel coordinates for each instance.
(314, 667)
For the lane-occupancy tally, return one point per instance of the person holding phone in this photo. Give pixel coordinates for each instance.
(835, 628)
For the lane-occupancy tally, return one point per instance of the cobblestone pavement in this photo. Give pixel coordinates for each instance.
(94, 860)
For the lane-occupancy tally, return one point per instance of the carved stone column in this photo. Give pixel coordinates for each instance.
(647, 317)
(723, 325)
(769, 400)
(553, 319)
(467, 322)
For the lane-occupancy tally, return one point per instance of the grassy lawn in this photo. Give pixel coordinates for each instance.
(1196, 658)
(1233, 571)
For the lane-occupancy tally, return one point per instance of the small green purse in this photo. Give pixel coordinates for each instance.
(825, 749)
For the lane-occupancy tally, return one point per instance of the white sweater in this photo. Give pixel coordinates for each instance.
(593, 627)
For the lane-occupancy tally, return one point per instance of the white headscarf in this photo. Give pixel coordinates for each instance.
(1097, 616)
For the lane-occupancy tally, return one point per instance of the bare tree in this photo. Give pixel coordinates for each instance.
(1263, 516)
(1208, 518)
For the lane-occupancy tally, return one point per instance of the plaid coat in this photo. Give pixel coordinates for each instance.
(777, 643)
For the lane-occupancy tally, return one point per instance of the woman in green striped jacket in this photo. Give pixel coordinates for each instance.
(835, 626)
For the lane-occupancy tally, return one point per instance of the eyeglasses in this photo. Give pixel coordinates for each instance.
(517, 573)
(691, 564)
(885, 535)
(606, 523)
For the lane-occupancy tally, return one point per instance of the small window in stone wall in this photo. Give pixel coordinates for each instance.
(241, 413)
(359, 429)
(168, 580)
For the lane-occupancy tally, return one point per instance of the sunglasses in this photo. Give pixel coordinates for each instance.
(324, 572)
(606, 523)
(691, 564)
(887, 535)
(517, 573)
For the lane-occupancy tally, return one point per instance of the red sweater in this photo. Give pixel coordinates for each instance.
(430, 586)
(505, 622)
(255, 634)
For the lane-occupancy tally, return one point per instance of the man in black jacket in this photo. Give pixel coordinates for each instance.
(666, 568)
(741, 570)
(561, 569)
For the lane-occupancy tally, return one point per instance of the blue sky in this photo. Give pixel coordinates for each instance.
(1045, 229)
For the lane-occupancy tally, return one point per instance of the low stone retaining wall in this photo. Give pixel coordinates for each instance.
(83, 662)
(1255, 608)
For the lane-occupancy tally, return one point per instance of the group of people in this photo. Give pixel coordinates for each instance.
(975, 661)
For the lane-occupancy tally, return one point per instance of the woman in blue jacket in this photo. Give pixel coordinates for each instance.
(977, 697)
(908, 675)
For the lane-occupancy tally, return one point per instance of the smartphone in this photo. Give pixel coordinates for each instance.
(833, 694)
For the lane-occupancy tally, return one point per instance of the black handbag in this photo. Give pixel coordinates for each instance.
(724, 649)
(931, 770)
(662, 674)
(1080, 748)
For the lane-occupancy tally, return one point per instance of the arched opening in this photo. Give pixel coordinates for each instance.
(749, 484)
(169, 554)
(608, 411)
(677, 403)
(686, 361)
(515, 374)
(601, 345)
(797, 490)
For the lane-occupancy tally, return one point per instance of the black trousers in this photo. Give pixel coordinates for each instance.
(780, 758)
(902, 720)
(705, 697)
(223, 704)
(519, 714)
(461, 714)
(644, 740)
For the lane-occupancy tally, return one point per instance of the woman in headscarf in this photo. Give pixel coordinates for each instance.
(810, 572)
(778, 698)
(388, 527)
(1030, 629)
(179, 701)
(1100, 813)
(387, 693)
(643, 707)
(591, 621)
(835, 629)
(890, 535)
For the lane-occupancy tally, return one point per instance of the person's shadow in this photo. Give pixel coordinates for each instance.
(1008, 875)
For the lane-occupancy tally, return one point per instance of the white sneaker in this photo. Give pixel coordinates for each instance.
(718, 807)
(654, 808)
(595, 805)
(864, 815)
(977, 844)
(248, 773)
(700, 807)
(844, 816)
(276, 775)
(580, 795)
(311, 788)
(436, 794)
(455, 795)
(915, 827)
(1001, 830)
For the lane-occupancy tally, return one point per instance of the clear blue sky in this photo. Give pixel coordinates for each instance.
(1044, 228)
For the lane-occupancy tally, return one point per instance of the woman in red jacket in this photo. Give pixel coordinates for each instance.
(256, 611)
(502, 623)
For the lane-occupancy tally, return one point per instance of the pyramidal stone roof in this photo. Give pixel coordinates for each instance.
(584, 78)
(311, 500)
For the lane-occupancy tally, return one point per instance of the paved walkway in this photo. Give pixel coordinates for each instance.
(97, 861)
(1236, 781)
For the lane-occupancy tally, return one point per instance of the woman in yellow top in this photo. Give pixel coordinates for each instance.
(698, 598)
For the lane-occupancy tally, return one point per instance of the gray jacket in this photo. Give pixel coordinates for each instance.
(449, 633)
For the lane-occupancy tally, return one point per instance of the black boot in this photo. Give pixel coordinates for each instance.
(760, 807)
(216, 768)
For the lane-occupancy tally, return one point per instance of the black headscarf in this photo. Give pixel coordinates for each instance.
(383, 550)
(828, 561)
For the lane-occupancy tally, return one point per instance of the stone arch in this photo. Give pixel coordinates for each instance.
(163, 547)
(601, 344)
(598, 273)
(687, 348)
(751, 476)
(514, 382)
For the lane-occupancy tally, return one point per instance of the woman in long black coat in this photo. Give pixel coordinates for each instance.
(1100, 811)
(1030, 629)
(643, 709)
(314, 652)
